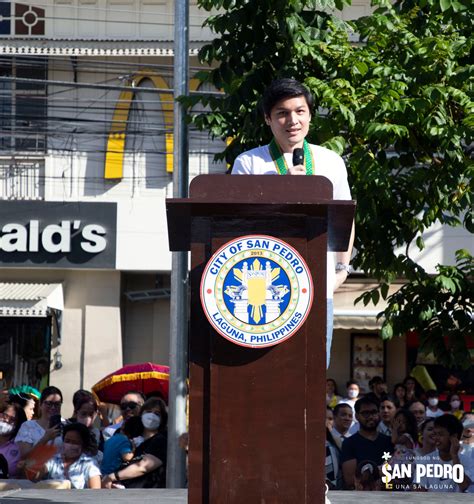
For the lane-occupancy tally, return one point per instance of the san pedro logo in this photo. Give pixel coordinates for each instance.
(256, 291)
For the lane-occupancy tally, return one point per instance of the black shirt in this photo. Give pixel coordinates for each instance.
(360, 448)
(156, 446)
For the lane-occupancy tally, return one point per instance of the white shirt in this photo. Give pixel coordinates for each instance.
(434, 414)
(327, 163)
(31, 432)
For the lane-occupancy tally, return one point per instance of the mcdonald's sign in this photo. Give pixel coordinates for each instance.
(115, 149)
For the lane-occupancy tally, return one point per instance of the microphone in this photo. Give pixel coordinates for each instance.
(298, 156)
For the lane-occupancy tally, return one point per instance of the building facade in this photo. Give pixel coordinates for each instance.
(86, 161)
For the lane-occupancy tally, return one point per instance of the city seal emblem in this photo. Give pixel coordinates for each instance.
(256, 291)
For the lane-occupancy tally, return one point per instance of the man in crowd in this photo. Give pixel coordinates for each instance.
(130, 405)
(343, 417)
(366, 444)
(419, 411)
(447, 432)
(378, 388)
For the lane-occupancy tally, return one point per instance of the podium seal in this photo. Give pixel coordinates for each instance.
(256, 291)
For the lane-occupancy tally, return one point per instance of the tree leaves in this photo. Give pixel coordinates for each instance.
(399, 108)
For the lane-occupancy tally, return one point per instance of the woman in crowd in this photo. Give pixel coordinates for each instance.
(428, 440)
(11, 418)
(414, 390)
(332, 397)
(454, 401)
(149, 471)
(404, 422)
(85, 413)
(72, 463)
(400, 394)
(46, 428)
(388, 409)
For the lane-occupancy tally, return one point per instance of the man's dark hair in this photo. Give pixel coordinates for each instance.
(376, 380)
(432, 393)
(351, 382)
(451, 424)
(365, 401)
(133, 427)
(339, 407)
(83, 432)
(281, 89)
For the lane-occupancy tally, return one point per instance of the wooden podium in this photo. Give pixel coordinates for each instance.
(257, 416)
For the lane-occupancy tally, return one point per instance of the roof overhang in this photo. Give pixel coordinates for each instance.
(30, 299)
(351, 316)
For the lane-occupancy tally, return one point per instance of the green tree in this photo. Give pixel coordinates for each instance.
(398, 105)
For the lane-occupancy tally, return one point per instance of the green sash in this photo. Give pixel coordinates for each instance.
(279, 158)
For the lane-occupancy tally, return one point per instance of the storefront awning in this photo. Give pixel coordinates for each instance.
(359, 317)
(30, 299)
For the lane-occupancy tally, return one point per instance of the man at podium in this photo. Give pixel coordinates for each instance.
(287, 106)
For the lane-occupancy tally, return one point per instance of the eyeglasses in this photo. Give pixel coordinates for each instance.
(52, 404)
(128, 405)
(369, 413)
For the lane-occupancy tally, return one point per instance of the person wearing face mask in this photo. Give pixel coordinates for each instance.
(11, 418)
(454, 402)
(72, 463)
(149, 471)
(433, 411)
(85, 413)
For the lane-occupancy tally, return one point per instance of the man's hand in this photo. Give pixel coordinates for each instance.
(455, 447)
(297, 170)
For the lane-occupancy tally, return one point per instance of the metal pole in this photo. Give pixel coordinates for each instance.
(176, 463)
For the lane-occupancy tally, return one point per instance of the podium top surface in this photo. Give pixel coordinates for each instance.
(256, 196)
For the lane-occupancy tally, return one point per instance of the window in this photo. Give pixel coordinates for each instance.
(23, 104)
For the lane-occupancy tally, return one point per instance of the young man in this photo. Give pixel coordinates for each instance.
(343, 417)
(287, 107)
(378, 388)
(447, 432)
(367, 444)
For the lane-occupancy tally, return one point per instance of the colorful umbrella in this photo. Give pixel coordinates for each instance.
(146, 378)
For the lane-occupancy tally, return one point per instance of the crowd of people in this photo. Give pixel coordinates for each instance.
(85, 450)
(370, 437)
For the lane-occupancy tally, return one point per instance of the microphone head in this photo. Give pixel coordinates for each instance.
(298, 156)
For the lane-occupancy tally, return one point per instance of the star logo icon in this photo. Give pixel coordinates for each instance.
(386, 456)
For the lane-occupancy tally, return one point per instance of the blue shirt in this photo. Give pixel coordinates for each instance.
(114, 448)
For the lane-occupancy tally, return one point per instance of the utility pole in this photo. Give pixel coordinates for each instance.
(176, 463)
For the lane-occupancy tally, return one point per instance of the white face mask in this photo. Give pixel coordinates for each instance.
(352, 393)
(455, 404)
(151, 421)
(71, 450)
(433, 401)
(6, 428)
